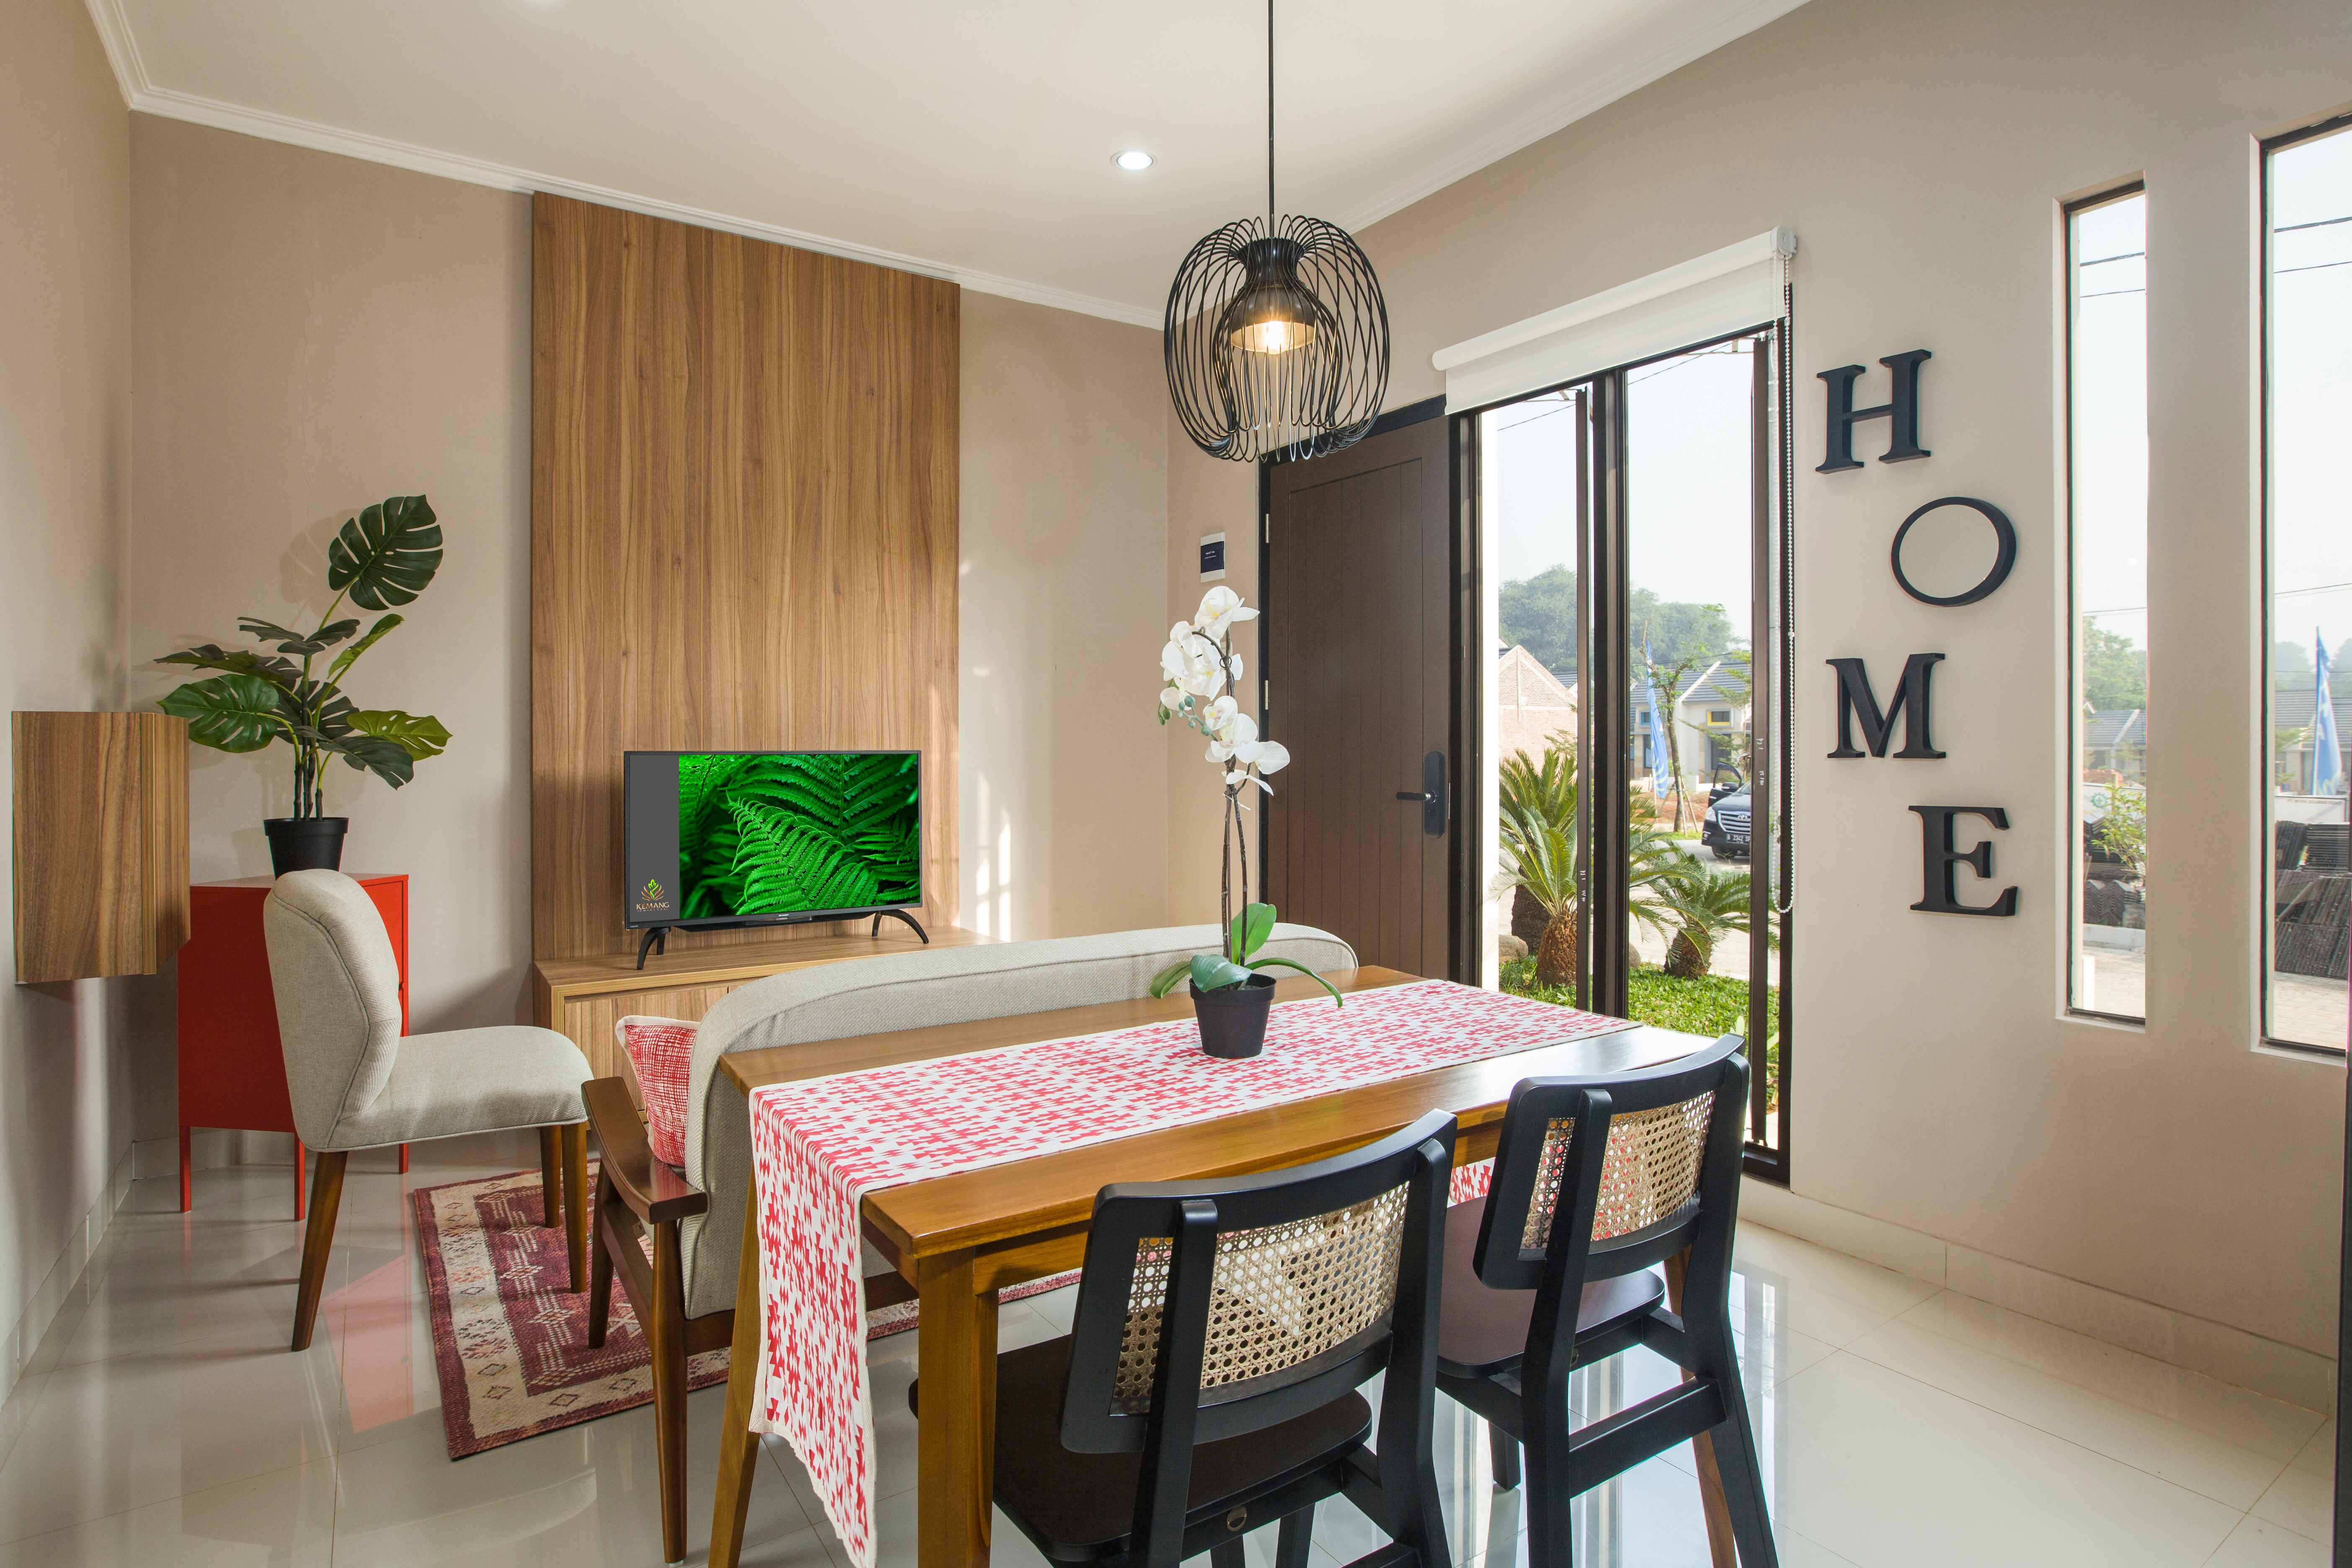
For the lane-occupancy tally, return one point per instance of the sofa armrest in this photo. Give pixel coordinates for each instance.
(654, 1192)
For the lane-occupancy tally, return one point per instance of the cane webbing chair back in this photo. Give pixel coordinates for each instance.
(1642, 1187)
(1235, 1305)
(1280, 1297)
(1649, 1174)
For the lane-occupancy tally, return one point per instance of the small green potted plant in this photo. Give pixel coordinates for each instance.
(1231, 995)
(380, 559)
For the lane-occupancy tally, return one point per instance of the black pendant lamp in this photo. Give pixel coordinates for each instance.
(1277, 339)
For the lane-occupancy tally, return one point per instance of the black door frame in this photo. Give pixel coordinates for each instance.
(1604, 689)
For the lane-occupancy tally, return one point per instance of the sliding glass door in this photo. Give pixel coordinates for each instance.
(1631, 547)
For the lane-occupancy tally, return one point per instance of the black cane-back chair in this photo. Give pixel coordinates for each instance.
(1597, 1180)
(1209, 1384)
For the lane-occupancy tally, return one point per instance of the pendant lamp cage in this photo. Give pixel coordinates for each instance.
(1277, 337)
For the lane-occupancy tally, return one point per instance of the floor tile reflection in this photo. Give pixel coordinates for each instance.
(1899, 1425)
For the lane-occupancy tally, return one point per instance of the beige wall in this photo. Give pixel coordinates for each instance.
(1064, 513)
(315, 333)
(1206, 495)
(65, 434)
(1920, 151)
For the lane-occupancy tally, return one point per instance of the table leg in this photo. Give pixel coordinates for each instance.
(187, 1168)
(1721, 1551)
(739, 1445)
(956, 1435)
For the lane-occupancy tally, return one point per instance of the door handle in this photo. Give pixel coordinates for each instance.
(1431, 795)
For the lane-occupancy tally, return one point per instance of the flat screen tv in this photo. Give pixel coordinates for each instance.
(730, 839)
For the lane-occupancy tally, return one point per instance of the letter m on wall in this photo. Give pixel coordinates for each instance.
(1857, 703)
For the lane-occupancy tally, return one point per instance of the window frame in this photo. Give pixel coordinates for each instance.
(2108, 195)
(1602, 520)
(2265, 830)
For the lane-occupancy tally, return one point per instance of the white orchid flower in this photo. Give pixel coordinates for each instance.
(1190, 670)
(1266, 756)
(1229, 730)
(1235, 666)
(1221, 610)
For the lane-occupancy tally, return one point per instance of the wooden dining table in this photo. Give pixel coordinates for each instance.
(952, 1242)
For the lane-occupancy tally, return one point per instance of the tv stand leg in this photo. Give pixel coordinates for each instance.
(900, 915)
(655, 940)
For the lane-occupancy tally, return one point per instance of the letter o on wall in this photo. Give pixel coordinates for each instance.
(2004, 552)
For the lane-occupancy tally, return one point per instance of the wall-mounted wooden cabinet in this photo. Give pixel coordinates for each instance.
(101, 844)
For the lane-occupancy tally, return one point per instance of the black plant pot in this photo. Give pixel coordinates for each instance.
(1232, 1021)
(305, 843)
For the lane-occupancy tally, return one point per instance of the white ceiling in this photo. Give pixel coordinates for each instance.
(967, 139)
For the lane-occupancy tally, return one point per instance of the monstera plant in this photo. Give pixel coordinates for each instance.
(379, 560)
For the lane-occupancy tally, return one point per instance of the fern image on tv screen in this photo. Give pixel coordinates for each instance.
(775, 833)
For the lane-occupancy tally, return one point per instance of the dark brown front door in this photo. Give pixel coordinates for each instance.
(1360, 680)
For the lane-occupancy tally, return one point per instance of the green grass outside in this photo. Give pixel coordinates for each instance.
(1714, 1005)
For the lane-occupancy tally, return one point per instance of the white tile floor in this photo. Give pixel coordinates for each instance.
(164, 1421)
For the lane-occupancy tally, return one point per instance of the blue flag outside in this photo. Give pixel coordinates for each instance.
(1654, 744)
(2327, 752)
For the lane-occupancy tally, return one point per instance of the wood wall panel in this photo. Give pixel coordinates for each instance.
(743, 531)
(100, 841)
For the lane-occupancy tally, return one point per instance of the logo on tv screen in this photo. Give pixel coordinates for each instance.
(652, 899)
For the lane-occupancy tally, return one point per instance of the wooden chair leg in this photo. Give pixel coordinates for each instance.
(551, 1172)
(1293, 1546)
(1722, 1551)
(666, 1336)
(575, 1204)
(599, 1264)
(1504, 1451)
(1741, 1476)
(317, 1241)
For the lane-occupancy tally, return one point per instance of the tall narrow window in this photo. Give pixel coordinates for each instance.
(2307, 409)
(2106, 343)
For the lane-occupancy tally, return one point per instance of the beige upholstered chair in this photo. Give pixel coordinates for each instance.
(685, 1293)
(356, 1082)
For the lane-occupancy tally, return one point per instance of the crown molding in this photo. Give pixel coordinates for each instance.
(1569, 108)
(141, 94)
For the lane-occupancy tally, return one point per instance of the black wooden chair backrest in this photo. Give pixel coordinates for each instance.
(1210, 1310)
(1597, 1177)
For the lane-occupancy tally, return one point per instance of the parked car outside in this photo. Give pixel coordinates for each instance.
(1725, 829)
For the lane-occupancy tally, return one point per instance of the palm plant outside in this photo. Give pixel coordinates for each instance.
(1701, 905)
(1539, 809)
(380, 559)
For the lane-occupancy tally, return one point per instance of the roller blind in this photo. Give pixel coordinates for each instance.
(1742, 285)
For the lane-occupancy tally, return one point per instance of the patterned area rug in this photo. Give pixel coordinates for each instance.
(509, 1336)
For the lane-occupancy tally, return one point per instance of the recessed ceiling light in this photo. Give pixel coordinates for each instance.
(1135, 159)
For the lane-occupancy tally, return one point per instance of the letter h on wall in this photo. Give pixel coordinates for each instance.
(1901, 412)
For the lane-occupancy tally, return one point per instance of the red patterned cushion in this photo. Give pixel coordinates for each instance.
(662, 1051)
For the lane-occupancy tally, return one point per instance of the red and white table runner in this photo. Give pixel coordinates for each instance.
(820, 1145)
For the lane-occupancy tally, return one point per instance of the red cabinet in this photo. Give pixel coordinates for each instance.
(232, 1073)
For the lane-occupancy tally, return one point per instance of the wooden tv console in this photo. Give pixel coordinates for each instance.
(582, 998)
